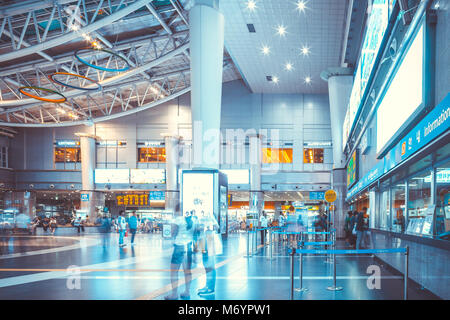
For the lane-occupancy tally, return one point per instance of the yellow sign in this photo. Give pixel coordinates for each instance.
(330, 196)
(132, 200)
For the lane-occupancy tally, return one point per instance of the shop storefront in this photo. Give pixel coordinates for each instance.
(408, 190)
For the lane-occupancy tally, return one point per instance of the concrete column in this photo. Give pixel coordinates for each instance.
(88, 161)
(256, 201)
(206, 50)
(171, 143)
(340, 81)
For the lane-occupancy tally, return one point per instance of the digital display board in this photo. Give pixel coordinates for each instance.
(198, 192)
(132, 200)
(404, 94)
(157, 195)
(112, 176)
(237, 176)
(352, 170)
(148, 176)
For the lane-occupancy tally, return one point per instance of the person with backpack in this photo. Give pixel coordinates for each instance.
(122, 226)
(184, 228)
(361, 229)
(348, 228)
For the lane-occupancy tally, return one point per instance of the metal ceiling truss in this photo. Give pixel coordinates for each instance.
(157, 74)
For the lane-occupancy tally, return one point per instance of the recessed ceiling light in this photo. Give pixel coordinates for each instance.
(281, 30)
(308, 80)
(301, 6)
(437, 5)
(265, 50)
(305, 50)
(275, 79)
(288, 66)
(251, 5)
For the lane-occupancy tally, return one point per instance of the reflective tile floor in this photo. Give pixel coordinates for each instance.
(94, 267)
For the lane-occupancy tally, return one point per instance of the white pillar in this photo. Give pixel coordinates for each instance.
(256, 201)
(88, 163)
(171, 143)
(206, 50)
(340, 81)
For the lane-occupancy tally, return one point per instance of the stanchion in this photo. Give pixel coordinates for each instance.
(405, 276)
(334, 287)
(292, 274)
(329, 259)
(270, 245)
(300, 288)
(255, 242)
(248, 245)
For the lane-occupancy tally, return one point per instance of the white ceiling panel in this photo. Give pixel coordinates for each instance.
(320, 27)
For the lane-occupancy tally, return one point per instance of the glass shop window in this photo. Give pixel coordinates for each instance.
(152, 154)
(312, 155)
(67, 155)
(385, 207)
(443, 201)
(419, 199)
(277, 155)
(398, 207)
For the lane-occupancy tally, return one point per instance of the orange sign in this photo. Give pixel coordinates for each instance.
(330, 196)
(132, 200)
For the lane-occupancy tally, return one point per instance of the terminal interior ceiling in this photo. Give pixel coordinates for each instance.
(233, 149)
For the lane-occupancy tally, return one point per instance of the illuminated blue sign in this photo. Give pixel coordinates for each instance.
(84, 197)
(316, 195)
(157, 195)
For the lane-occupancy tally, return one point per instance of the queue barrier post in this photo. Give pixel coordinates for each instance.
(301, 288)
(405, 275)
(270, 244)
(292, 251)
(248, 245)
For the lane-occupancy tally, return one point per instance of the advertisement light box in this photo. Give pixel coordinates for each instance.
(112, 176)
(198, 192)
(404, 94)
(152, 176)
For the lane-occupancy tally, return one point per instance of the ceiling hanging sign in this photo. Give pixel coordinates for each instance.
(330, 196)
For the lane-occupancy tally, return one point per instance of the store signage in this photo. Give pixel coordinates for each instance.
(153, 144)
(67, 143)
(317, 195)
(132, 200)
(112, 176)
(298, 204)
(230, 200)
(352, 169)
(157, 195)
(330, 196)
(84, 197)
(433, 125)
(317, 144)
(237, 176)
(151, 176)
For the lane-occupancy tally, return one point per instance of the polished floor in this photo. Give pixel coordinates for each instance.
(94, 267)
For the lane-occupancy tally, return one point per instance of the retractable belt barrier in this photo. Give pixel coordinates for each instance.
(334, 252)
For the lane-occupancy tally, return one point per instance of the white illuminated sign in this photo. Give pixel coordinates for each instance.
(404, 94)
(198, 193)
(148, 176)
(317, 144)
(112, 176)
(237, 176)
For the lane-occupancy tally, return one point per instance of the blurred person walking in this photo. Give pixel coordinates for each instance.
(184, 228)
(132, 224)
(122, 226)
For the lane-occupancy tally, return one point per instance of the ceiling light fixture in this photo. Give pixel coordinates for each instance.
(251, 5)
(301, 6)
(308, 80)
(275, 79)
(288, 66)
(305, 50)
(281, 30)
(265, 50)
